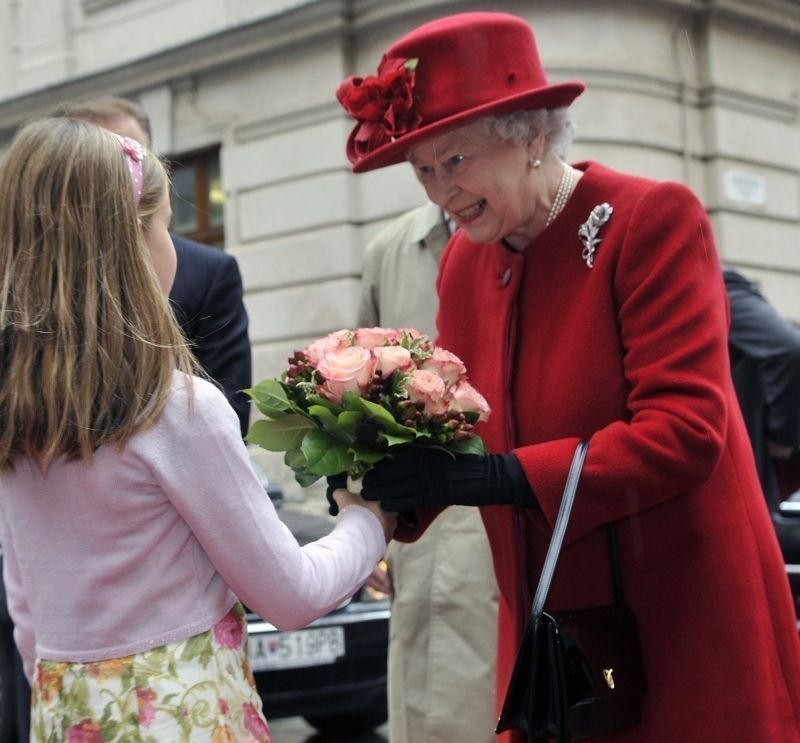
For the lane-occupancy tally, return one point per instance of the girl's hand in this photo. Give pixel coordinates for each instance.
(381, 580)
(344, 498)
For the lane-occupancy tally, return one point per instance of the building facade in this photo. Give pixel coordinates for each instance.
(706, 92)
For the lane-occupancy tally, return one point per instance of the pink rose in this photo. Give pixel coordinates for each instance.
(147, 710)
(373, 337)
(428, 388)
(464, 398)
(332, 342)
(412, 333)
(421, 341)
(346, 370)
(228, 631)
(447, 365)
(86, 731)
(389, 359)
(254, 723)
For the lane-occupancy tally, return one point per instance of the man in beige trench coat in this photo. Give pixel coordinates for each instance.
(443, 628)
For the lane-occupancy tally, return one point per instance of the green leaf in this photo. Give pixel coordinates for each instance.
(352, 402)
(404, 438)
(378, 414)
(325, 455)
(155, 657)
(78, 696)
(127, 679)
(472, 445)
(270, 398)
(325, 416)
(197, 646)
(405, 432)
(325, 402)
(281, 434)
(367, 456)
(348, 422)
(304, 478)
(296, 461)
(294, 458)
(109, 730)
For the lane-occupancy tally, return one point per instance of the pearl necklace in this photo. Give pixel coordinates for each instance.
(563, 193)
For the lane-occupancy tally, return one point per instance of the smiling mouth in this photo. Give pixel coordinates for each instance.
(471, 212)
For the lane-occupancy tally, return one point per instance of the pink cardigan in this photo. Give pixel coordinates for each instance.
(152, 544)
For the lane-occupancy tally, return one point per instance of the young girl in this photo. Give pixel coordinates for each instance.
(131, 521)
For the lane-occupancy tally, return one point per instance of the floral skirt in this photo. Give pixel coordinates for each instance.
(198, 689)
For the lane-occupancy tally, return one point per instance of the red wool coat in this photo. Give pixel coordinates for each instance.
(632, 353)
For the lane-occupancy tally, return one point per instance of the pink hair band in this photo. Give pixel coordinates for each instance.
(134, 154)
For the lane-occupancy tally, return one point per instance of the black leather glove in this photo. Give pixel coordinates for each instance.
(334, 483)
(408, 519)
(416, 477)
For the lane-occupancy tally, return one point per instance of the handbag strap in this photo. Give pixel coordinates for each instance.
(553, 551)
(559, 530)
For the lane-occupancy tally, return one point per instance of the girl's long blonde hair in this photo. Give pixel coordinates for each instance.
(88, 343)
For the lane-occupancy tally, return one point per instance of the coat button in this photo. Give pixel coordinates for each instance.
(506, 277)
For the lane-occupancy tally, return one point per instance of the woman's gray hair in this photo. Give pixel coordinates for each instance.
(520, 127)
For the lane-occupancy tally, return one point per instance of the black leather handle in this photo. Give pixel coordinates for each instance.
(560, 528)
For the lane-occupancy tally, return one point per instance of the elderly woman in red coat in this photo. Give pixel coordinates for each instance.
(587, 304)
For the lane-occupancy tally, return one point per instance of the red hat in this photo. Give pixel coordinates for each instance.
(442, 75)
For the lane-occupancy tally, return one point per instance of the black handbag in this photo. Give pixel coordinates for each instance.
(579, 673)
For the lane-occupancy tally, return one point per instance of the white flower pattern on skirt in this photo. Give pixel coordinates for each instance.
(198, 689)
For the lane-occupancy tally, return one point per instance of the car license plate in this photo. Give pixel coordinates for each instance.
(315, 646)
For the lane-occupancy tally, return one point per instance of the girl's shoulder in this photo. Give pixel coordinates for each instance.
(196, 401)
(186, 387)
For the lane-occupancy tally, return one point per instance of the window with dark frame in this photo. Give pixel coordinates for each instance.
(198, 201)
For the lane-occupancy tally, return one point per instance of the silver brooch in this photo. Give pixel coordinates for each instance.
(589, 229)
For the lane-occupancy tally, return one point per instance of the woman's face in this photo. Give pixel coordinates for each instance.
(483, 183)
(162, 250)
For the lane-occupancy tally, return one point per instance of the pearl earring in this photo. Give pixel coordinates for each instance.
(534, 162)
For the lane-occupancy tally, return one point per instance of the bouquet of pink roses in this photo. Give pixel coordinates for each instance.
(348, 399)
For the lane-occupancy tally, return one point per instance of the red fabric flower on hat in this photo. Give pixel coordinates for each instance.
(382, 104)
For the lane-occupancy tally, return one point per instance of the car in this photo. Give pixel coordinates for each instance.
(786, 518)
(787, 526)
(14, 692)
(332, 672)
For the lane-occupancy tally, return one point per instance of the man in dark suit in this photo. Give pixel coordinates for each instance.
(207, 295)
(207, 299)
(765, 364)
